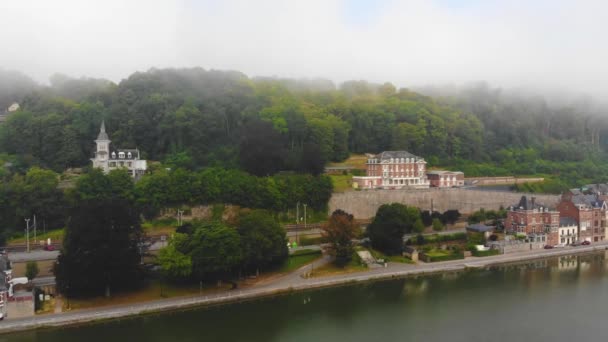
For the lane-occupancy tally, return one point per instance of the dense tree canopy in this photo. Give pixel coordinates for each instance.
(391, 222)
(263, 240)
(195, 118)
(101, 251)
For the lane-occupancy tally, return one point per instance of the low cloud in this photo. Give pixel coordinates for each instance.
(542, 44)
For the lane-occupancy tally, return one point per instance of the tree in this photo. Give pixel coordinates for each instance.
(174, 263)
(31, 270)
(389, 225)
(215, 250)
(451, 216)
(263, 240)
(100, 248)
(437, 225)
(339, 233)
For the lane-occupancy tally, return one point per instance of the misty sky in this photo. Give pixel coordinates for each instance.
(508, 43)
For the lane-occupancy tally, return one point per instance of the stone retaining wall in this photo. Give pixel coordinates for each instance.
(364, 204)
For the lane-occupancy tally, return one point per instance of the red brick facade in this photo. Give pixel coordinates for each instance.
(535, 220)
(445, 179)
(589, 212)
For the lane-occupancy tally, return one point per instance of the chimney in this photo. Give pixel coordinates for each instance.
(533, 200)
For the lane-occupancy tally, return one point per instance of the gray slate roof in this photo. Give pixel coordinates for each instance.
(102, 132)
(387, 155)
(567, 221)
(134, 154)
(526, 203)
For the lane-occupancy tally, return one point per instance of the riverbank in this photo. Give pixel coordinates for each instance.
(285, 285)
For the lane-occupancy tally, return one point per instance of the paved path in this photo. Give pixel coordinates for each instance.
(36, 255)
(291, 282)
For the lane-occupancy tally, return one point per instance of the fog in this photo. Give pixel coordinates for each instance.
(547, 44)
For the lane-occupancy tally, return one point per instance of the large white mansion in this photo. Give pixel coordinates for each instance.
(394, 170)
(107, 159)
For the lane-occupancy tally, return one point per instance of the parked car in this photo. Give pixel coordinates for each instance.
(548, 247)
(586, 243)
(49, 247)
(574, 244)
(560, 245)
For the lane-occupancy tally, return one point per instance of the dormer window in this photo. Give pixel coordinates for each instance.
(121, 155)
(129, 155)
(113, 155)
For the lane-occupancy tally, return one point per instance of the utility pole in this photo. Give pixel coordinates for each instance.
(305, 216)
(297, 221)
(179, 217)
(27, 233)
(35, 226)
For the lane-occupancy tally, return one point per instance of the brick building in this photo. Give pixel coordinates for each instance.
(393, 170)
(445, 179)
(589, 210)
(538, 222)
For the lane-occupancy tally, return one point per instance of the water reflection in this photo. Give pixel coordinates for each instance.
(504, 303)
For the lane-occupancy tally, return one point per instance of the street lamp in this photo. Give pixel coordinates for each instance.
(297, 221)
(27, 233)
(305, 216)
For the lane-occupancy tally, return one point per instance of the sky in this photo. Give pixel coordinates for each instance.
(514, 43)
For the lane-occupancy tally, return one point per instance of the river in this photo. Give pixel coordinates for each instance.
(559, 299)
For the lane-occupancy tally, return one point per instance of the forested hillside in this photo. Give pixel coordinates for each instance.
(196, 118)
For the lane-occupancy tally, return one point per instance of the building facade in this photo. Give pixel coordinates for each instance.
(393, 170)
(538, 222)
(107, 159)
(589, 210)
(568, 231)
(445, 179)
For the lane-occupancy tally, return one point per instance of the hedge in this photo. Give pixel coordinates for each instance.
(447, 257)
(485, 253)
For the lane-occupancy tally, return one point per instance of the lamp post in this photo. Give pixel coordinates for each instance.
(297, 221)
(305, 216)
(27, 233)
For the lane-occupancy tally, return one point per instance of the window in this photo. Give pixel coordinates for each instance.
(121, 155)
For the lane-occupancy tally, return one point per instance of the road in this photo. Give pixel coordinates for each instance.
(291, 282)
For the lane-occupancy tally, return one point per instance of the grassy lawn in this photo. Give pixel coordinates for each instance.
(331, 269)
(357, 161)
(342, 182)
(45, 268)
(390, 258)
(54, 235)
(151, 291)
(298, 260)
(437, 253)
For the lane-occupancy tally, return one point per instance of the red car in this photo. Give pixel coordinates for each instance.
(548, 247)
(586, 243)
(49, 247)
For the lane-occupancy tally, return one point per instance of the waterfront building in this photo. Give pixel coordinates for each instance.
(537, 221)
(589, 210)
(445, 179)
(393, 170)
(5, 278)
(567, 231)
(109, 159)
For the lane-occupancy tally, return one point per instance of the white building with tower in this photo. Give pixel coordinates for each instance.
(109, 159)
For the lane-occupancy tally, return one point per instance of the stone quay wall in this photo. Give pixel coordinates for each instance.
(364, 204)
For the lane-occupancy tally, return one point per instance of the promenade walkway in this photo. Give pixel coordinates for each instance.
(291, 282)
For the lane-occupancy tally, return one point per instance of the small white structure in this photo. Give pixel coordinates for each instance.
(13, 108)
(567, 231)
(108, 160)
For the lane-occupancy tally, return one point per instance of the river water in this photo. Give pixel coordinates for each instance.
(561, 299)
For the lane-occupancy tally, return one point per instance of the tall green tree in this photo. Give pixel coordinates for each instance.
(389, 225)
(263, 240)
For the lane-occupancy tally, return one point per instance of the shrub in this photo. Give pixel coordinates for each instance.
(485, 253)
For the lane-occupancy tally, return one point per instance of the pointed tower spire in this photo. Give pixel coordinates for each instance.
(102, 132)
